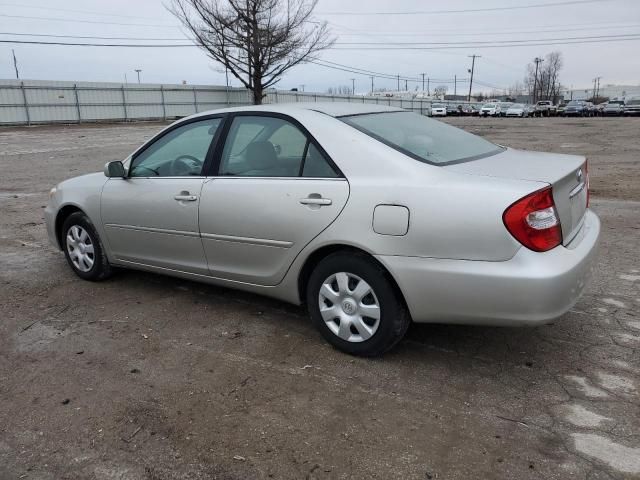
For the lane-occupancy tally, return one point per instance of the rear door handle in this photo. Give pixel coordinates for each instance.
(185, 196)
(315, 201)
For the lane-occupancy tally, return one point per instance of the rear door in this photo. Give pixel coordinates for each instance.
(274, 190)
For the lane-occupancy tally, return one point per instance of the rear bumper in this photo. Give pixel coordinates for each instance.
(529, 289)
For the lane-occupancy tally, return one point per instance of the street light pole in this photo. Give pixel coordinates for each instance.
(353, 86)
(473, 64)
(137, 70)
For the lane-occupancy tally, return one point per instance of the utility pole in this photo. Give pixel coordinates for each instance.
(15, 63)
(137, 70)
(398, 83)
(406, 87)
(423, 74)
(353, 86)
(593, 97)
(598, 87)
(473, 65)
(537, 60)
(455, 85)
(302, 87)
(428, 89)
(372, 85)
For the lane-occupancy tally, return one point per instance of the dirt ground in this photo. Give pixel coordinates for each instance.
(149, 377)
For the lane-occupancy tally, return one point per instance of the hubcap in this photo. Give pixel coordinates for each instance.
(80, 248)
(349, 307)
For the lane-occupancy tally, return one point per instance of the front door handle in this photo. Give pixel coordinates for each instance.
(185, 196)
(315, 201)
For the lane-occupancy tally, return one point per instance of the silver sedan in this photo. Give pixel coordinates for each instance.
(372, 216)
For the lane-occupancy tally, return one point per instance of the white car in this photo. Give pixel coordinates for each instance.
(518, 110)
(438, 110)
(490, 110)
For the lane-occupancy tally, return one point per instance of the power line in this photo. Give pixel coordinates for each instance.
(468, 46)
(58, 9)
(85, 37)
(469, 10)
(442, 33)
(49, 19)
(375, 46)
(492, 41)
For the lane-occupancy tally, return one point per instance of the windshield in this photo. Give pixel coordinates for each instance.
(616, 102)
(517, 105)
(422, 138)
(437, 105)
(489, 105)
(574, 103)
(634, 102)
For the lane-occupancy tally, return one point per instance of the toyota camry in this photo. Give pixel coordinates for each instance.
(372, 216)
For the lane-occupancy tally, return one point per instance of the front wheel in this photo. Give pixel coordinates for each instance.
(82, 248)
(355, 305)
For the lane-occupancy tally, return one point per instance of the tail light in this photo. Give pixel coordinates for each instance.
(533, 221)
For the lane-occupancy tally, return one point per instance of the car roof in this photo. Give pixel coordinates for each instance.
(334, 109)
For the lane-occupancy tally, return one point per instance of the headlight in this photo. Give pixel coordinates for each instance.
(52, 192)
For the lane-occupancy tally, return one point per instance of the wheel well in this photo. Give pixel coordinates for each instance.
(320, 254)
(63, 214)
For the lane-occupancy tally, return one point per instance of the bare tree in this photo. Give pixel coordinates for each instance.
(257, 41)
(547, 85)
(440, 91)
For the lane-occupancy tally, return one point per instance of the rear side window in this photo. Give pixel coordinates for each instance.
(423, 138)
(262, 146)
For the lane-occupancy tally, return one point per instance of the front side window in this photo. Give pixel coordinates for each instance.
(422, 138)
(179, 153)
(261, 146)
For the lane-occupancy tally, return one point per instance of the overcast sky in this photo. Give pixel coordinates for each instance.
(616, 62)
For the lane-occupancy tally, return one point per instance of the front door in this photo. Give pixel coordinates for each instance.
(275, 191)
(151, 217)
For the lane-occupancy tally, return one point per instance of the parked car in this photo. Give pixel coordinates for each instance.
(464, 109)
(592, 111)
(614, 107)
(504, 106)
(452, 109)
(367, 214)
(438, 110)
(518, 110)
(476, 109)
(632, 107)
(545, 108)
(561, 108)
(490, 110)
(577, 108)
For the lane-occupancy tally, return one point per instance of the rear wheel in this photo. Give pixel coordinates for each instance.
(355, 306)
(83, 249)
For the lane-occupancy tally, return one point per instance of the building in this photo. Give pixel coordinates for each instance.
(609, 91)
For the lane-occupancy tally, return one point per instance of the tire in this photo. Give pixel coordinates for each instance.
(348, 305)
(79, 235)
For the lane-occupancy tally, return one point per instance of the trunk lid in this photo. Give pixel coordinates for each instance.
(565, 173)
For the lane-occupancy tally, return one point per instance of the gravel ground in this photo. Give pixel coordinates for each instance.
(150, 377)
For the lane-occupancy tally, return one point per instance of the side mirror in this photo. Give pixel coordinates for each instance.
(114, 169)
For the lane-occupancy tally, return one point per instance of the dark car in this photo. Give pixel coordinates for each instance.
(576, 108)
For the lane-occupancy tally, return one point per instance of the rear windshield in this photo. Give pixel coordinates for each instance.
(422, 138)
